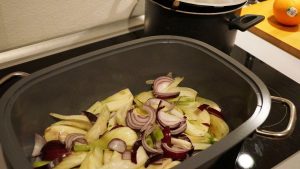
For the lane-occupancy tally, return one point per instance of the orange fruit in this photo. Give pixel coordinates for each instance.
(287, 12)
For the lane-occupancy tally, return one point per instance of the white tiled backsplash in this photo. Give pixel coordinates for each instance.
(24, 22)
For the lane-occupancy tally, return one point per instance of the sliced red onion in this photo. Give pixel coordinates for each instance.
(153, 159)
(53, 149)
(92, 117)
(117, 145)
(174, 152)
(39, 142)
(167, 136)
(186, 138)
(135, 147)
(74, 137)
(215, 112)
(160, 84)
(169, 120)
(126, 155)
(134, 122)
(180, 129)
(211, 110)
(152, 117)
(144, 143)
(156, 103)
(140, 119)
(181, 143)
(203, 107)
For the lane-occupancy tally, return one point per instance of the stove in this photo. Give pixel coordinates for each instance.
(255, 151)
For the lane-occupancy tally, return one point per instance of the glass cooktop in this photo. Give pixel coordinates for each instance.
(255, 151)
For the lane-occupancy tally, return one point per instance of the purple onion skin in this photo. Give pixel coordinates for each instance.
(186, 138)
(167, 136)
(203, 107)
(211, 110)
(152, 159)
(52, 150)
(92, 118)
(175, 156)
(166, 97)
(215, 112)
(135, 147)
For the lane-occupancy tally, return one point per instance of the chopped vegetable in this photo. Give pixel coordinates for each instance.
(99, 127)
(218, 127)
(59, 132)
(72, 160)
(70, 117)
(93, 160)
(52, 150)
(157, 134)
(81, 147)
(107, 156)
(167, 123)
(39, 142)
(77, 124)
(117, 145)
(124, 133)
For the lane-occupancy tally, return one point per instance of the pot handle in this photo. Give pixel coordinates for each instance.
(11, 75)
(245, 22)
(291, 124)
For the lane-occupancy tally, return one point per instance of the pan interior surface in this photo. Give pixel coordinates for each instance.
(73, 86)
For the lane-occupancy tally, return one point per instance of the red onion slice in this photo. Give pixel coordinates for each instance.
(160, 84)
(39, 142)
(152, 117)
(169, 120)
(153, 158)
(211, 110)
(135, 147)
(53, 149)
(180, 129)
(167, 136)
(126, 155)
(203, 107)
(174, 152)
(74, 137)
(117, 145)
(132, 122)
(186, 138)
(144, 143)
(139, 122)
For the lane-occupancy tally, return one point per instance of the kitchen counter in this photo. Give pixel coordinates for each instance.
(284, 37)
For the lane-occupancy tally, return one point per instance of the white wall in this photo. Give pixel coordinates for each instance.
(24, 22)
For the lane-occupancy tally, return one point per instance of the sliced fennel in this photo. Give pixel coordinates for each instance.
(59, 132)
(72, 160)
(93, 160)
(99, 127)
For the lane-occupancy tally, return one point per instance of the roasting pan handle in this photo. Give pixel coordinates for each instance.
(11, 75)
(291, 124)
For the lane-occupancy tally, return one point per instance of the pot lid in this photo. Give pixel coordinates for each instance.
(216, 3)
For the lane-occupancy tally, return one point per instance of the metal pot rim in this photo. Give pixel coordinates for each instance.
(199, 13)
